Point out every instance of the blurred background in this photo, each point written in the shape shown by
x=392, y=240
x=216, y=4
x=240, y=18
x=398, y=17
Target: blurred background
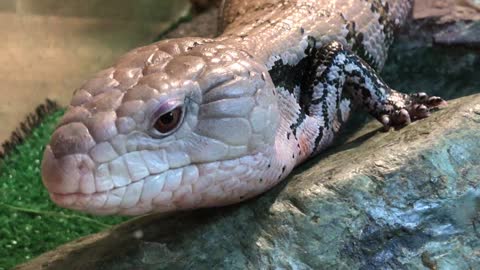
x=49, y=47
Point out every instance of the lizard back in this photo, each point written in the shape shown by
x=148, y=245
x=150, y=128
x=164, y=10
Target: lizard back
x=280, y=29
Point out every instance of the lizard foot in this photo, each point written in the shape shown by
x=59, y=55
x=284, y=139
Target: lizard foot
x=409, y=108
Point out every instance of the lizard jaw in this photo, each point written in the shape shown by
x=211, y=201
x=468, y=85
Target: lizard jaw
x=190, y=186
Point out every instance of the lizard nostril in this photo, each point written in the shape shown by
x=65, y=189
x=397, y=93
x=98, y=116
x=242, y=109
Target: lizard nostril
x=83, y=168
x=73, y=138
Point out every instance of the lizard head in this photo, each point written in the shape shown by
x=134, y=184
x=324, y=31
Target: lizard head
x=175, y=125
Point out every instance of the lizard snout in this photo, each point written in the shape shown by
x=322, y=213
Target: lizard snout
x=67, y=174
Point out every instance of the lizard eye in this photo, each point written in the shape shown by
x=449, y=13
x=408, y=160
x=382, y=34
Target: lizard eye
x=169, y=121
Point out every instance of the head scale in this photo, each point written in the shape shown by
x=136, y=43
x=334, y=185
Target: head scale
x=178, y=124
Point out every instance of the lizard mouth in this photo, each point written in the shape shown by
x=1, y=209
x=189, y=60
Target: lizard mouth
x=161, y=192
x=89, y=203
x=71, y=184
x=96, y=203
x=212, y=183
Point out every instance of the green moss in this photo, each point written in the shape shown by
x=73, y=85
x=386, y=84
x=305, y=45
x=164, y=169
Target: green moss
x=30, y=223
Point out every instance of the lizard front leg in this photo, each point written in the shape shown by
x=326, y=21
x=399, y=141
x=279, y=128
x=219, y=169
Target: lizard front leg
x=368, y=90
x=335, y=79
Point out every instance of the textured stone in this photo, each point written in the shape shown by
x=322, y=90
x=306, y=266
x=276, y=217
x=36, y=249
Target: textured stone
x=447, y=22
x=467, y=34
x=447, y=11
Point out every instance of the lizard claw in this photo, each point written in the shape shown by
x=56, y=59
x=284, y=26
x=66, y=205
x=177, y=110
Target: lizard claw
x=401, y=118
x=421, y=105
x=436, y=102
x=417, y=106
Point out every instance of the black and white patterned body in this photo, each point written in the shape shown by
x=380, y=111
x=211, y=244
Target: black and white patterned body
x=321, y=56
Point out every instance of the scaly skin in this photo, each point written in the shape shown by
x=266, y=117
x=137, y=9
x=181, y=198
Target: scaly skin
x=258, y=100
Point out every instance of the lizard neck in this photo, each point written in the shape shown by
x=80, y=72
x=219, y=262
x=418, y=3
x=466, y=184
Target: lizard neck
x=272, y=29
x=280, y=29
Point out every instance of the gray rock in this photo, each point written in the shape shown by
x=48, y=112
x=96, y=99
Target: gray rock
x=459, y=34
x=447, y=11
x=406, y=199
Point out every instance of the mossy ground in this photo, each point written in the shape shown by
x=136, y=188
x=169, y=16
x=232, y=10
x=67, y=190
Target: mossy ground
x=30, y=223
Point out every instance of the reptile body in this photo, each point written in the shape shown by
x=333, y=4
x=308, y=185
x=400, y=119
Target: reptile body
x=193, y=122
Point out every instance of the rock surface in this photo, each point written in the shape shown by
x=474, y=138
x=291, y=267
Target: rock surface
x=446, y=11
x=460, y=33
x=447, y=22
x=407, y=199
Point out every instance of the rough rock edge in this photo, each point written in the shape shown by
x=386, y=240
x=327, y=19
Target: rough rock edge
x=447, y=11
x=445, y=23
